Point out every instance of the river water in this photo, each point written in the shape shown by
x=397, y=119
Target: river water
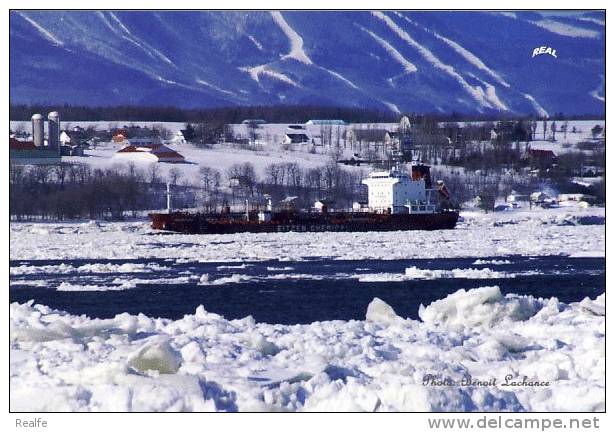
x=290, y=292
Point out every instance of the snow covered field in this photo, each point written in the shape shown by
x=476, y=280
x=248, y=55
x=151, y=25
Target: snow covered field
x=203, y=362
x=220, y=157
x=574, y=231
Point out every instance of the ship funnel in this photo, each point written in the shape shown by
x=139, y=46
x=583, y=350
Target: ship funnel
x=421, y=171
x=38, y=130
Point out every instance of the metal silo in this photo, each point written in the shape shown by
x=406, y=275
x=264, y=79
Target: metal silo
x=38, y=130
x=53, y=130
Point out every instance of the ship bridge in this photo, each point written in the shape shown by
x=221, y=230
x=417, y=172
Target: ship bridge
x=396, y=192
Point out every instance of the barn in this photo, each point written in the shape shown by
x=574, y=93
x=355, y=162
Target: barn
x=149, y=153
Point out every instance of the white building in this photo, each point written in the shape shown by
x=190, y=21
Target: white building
x=295, y=138
x=395, y=192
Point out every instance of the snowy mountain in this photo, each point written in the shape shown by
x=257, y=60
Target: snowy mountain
x=399, y=61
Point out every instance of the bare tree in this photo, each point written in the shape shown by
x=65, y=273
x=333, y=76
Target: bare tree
x=209, y=177
x=162, y=132
x=16, y=173
x=273, y=173
x=253, y=134
x=153, y=173
x=553, y=130
x=564, y=128
x=174, y=175
x=245, y=175
x=60, y=172
x=42, y=173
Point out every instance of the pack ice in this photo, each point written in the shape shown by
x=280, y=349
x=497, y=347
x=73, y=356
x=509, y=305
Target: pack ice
x=203, y=362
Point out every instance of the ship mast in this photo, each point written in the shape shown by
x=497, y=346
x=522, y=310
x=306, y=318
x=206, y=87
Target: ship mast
x=168, y=197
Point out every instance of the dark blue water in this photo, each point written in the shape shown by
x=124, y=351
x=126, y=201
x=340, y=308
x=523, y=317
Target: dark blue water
x=311, y=290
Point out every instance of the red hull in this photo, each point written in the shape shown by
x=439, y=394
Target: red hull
x=199, y=223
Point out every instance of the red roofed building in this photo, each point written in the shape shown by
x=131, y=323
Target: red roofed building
x=120, y=135
x=149, y=153
x=539, y=158
x=15, y=144
x=26, y=153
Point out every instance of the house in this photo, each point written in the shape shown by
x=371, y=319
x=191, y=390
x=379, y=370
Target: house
x=136, y=135
x=515, y=198
x=149, y=153
x=295, y=138
x=326, y=122
x=254, y=122
x=26, y=153
x=74, y=137
x=376, y=136
x=538, y=158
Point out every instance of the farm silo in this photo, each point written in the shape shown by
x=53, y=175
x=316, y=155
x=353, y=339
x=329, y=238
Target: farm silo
x=38, y=130
x=53, y=130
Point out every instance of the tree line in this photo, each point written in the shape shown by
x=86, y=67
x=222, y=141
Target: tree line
x=224, y=115
x=270, y=113
x=78, y=191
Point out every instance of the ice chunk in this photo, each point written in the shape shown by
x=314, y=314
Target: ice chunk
x=39, y=230
x=192, y=352
x=264, y=346
x=157, y=356
x=480, y=307
x=380, y=312
x=596, y=307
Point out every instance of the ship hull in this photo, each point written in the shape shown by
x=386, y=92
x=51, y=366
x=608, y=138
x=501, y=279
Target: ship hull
x=200, y=223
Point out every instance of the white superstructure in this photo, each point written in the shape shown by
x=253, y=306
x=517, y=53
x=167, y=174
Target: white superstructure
x=396, y=192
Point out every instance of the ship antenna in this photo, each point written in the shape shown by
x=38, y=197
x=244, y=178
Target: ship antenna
x=168, y=197
x=396, y=155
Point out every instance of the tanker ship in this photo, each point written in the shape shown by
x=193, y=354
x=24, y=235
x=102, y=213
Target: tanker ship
x=397, y=201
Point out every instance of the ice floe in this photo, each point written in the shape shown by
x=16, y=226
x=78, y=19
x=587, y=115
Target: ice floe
x=564, y=231
x=203, y=362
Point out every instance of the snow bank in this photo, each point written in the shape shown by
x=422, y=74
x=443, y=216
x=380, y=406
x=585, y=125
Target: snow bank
x=203, y=362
